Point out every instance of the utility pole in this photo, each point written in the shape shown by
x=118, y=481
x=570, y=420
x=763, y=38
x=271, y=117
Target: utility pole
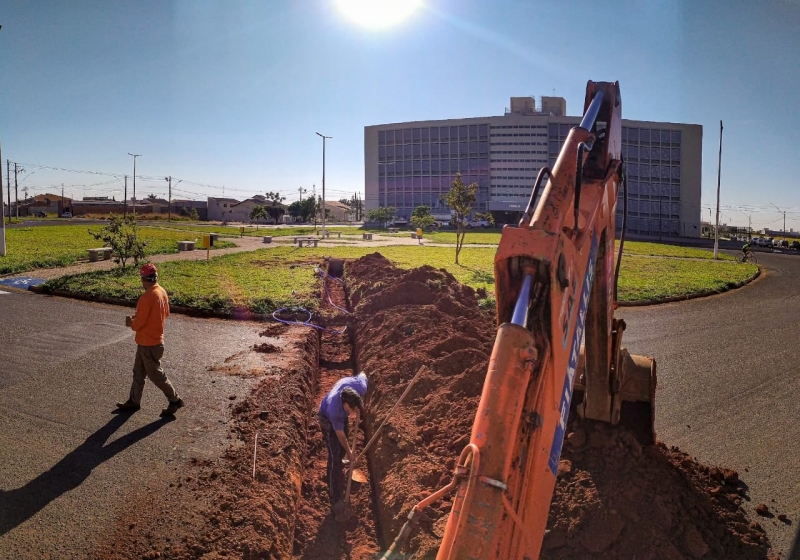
x=2, y=208
x=16, y=192
x=8, y=188
x=125, y=197
x=314, y=197
x=784, y=217
x=323, y=179
x=169, y=199
x=719, y=178
x=62, y=198
x=301, y=190
x=134, y=181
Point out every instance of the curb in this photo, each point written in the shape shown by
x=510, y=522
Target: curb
x=236, y=315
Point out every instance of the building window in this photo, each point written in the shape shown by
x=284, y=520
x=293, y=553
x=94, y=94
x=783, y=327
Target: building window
x=434, y=133
x=407, y=135
x=675, y=136
x=444, y=133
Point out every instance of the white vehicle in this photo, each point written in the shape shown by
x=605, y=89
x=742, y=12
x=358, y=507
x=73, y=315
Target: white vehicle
x=478, y=224
x=66, y=215
x=400, y=221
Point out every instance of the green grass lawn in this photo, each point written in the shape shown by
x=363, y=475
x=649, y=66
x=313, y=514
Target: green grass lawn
x=28, y=248
x=268, y=279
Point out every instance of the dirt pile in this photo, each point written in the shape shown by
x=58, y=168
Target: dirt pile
x=613, y=499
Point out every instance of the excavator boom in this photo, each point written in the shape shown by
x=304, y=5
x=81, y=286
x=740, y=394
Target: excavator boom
x=555, y=288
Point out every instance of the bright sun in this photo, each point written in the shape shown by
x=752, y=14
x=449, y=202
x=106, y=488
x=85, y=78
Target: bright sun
x=377, y=13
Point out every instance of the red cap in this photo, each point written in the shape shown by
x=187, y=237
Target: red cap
x=148, y=270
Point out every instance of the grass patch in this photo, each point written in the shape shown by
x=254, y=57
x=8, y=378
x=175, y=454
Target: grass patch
x=29, y=248
x=268, y=279
x=642, y=278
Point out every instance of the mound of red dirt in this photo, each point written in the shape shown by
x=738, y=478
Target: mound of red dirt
x=614, y=499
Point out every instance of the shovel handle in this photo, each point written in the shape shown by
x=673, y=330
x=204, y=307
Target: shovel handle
x=403, y=396
x=352, y=463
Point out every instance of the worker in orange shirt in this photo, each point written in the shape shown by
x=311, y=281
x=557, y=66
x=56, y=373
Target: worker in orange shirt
x=152, y=311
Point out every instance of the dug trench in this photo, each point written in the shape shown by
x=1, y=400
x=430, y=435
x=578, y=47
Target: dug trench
x=613, y=499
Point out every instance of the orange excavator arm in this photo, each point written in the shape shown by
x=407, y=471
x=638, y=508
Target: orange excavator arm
x=555, y=286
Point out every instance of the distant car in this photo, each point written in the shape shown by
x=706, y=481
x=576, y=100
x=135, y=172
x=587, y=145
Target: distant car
x=794, y=245
x=40, y=214
x=66, y=215
x=478, y=224
x=784, y=243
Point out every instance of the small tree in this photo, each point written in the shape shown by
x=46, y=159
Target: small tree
x=422, y=218
x=151, y=197
x=257, y=213
x=382, y=215
x=461, y=199
x=122, y=235
x=276, y=210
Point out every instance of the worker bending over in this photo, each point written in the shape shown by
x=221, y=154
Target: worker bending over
x=334, y=415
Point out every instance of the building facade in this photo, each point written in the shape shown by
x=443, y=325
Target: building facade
x=412, y=164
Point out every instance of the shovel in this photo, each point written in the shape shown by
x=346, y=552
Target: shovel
x=341, y=510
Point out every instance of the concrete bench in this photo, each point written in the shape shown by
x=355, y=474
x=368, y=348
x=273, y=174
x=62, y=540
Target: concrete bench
x=328, y=234
x=94, y=254
x=300, y=240
x=186, y=245
x=394, y=230
x=267, y=239
x=366, y=236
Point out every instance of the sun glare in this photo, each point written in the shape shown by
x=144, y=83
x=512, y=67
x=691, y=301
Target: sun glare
x=377, y=13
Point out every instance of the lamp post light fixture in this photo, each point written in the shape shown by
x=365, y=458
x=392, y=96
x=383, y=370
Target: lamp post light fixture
x=134, y=181
x=323, y=180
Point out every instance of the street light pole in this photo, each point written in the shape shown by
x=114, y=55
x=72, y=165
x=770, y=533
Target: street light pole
x=2, y=206
x=134, y=181
x=784, y=217
x=323, y=180
x=719, y=178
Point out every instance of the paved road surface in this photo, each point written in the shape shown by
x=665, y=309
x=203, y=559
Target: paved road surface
x=67, y=463
x=729, y=381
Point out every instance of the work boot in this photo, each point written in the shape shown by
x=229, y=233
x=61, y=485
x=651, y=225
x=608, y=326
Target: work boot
x=172, y=408
x=128, y=406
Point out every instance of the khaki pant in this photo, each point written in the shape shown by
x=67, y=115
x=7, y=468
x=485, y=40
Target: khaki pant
x=148, y=365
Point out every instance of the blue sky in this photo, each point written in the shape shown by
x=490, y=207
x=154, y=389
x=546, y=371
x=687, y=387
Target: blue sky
x=232, y=93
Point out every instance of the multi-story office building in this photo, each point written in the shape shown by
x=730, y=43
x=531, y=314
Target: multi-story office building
x=414, y=163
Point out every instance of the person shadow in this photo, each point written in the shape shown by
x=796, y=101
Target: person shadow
x=19, y=505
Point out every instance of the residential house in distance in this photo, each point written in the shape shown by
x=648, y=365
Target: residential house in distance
x=47, y=203
x=231, y=210
x=338, y=212
x=201, y=206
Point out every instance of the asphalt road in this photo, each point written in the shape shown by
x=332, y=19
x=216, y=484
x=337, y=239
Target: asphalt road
x=67, y=464
x=728, y=381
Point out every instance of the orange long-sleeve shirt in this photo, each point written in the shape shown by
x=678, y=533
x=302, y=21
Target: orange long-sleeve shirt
x=152, y=311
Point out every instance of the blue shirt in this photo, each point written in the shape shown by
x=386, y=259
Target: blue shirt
x=331, y=406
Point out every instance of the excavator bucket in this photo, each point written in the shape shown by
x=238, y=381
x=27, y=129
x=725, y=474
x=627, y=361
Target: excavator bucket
x=631, y=396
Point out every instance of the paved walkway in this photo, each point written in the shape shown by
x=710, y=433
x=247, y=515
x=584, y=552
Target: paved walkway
x=243, y=244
